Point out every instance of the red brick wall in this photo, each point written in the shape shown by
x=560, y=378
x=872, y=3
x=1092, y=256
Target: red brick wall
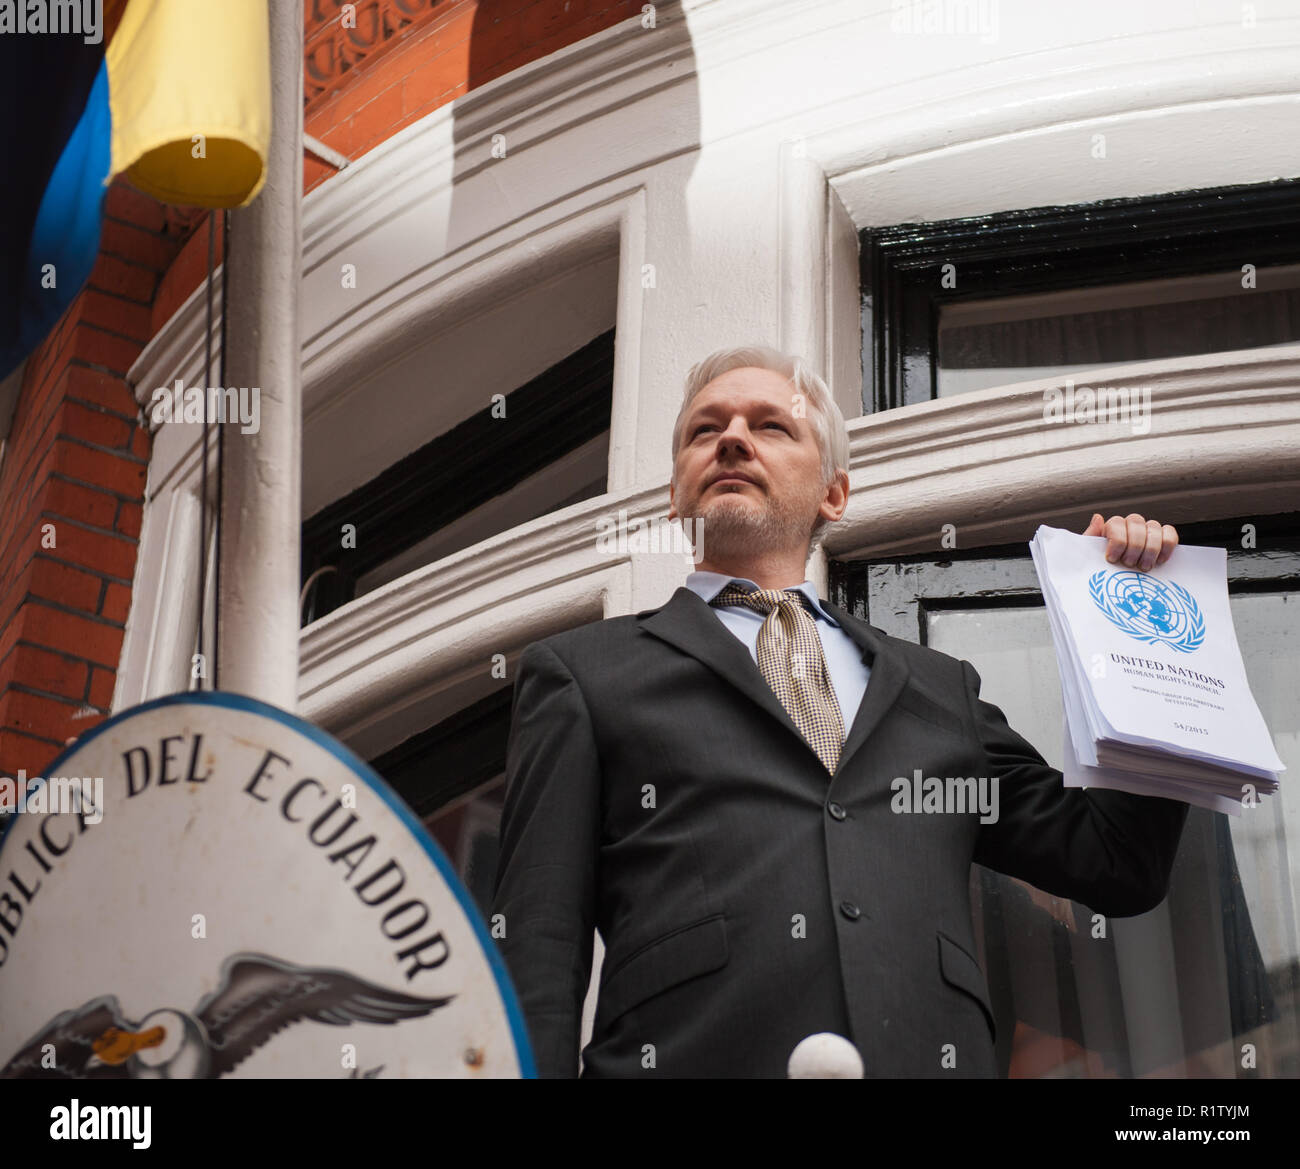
x=462, y=45
x=76, y=457
x=71, y=494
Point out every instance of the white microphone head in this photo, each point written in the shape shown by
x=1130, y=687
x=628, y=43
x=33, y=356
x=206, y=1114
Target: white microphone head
x=825, y=1056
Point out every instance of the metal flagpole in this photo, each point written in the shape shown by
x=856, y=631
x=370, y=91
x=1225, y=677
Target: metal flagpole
x=261, y=472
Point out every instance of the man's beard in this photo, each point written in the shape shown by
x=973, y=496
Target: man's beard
x=730, y=526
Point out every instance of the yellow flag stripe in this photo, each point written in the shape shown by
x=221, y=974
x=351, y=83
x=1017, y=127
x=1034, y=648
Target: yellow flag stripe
x=190, y=95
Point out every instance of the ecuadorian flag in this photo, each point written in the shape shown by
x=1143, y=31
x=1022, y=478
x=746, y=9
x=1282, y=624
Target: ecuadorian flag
x=179, y=103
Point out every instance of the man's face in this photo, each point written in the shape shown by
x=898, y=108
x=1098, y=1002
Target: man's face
x=748, y=467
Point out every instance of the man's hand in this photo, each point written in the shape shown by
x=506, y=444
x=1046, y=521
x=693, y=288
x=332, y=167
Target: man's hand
x=1140, y=543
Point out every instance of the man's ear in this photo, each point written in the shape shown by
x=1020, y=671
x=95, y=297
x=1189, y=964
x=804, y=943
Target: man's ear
x=672, y=506
x=836, y=500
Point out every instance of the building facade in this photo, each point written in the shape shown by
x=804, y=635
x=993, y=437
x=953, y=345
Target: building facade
x=965, y=215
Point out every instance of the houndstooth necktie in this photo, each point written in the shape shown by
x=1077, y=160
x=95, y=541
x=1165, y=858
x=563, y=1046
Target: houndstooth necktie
x=790, y=658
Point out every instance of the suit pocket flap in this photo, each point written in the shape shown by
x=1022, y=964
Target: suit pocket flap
x=684, y=953
x=961, y=970
x=916, y=703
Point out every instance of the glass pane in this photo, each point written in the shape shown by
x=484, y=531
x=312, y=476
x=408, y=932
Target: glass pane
x=999, y=341
x=467, y=831
x=1180, y=991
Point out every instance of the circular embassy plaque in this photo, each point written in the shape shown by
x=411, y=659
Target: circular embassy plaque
x=207, y=886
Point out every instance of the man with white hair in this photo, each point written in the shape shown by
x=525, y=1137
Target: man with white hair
x=709, y=784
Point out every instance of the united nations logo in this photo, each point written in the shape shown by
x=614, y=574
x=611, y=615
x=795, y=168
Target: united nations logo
x=1155, y=611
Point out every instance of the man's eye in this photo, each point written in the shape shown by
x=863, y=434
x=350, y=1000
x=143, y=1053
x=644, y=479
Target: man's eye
x=778, y=425
x=701, y=429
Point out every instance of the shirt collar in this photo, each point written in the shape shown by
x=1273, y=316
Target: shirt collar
x=708, y=585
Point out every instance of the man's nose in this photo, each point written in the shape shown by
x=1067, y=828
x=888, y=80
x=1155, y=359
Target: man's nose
x=735, y=439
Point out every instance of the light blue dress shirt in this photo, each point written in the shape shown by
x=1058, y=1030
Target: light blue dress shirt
x=849, y=673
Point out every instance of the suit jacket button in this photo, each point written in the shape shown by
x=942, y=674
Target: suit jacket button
x=837, y=811
x=851, y=911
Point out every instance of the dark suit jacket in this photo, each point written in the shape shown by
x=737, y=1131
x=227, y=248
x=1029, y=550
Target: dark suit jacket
x=658, y=791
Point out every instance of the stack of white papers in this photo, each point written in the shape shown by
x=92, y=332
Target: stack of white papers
x=1155, y=692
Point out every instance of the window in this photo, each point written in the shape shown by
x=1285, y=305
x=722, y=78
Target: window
x=452, y=776
x=1180, y=990
x=488, y=473
x=966, y=304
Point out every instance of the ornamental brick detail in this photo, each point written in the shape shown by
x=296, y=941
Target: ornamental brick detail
x=333, y=49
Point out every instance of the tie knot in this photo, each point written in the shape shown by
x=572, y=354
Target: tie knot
x=761, y=600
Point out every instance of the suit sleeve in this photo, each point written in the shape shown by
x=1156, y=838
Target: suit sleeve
x=1109, y=850
x=549, y=846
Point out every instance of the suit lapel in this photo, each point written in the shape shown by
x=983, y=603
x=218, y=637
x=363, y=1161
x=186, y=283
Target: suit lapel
x=888, y=677
x=690, y=625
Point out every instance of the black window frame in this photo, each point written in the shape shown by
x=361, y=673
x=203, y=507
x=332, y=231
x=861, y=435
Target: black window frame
x=1050, y=249
x=1003, y=574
